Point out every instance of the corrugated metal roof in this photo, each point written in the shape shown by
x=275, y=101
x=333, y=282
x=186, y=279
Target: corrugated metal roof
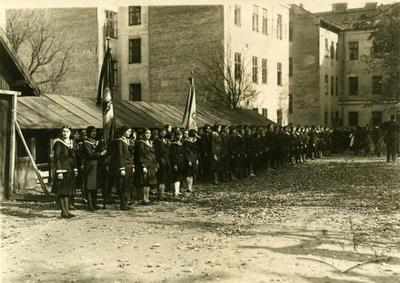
x=53, y=111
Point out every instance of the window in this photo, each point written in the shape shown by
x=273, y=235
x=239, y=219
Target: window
x=326, y=118
x=255, y=70
x=337, y=87
x=290, y=66
x=332, y=51
x=135, y=55
x=290, y=31
x=353, y=50
x=279, y=73
x=332, y=118
x=332, y=86
x=353, y=119
x=279, y=27
x=135, y=92
x=353, y=86
x=326, y=83
x=337, y=52
x=255, y=18
x=238, y=66
x=265, y=22
x=290, y=103
x=264, y=67
x=337, y=122
x=326, y=48
x=135, y=17
x=376, y=118
x=238, y=19
x=265, y=112
x=111, y=24
x=114, y=69
x=376, y=85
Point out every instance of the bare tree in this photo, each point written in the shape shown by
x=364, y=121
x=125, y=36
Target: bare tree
x=41, y=44
x=226, y=78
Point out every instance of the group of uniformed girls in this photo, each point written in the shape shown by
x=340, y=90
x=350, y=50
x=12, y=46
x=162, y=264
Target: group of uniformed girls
x=138, y=162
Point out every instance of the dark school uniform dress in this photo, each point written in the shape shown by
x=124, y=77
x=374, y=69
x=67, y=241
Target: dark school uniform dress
x=225, y=152
x=215, y=152
x=147, y=158
x=161, y=147
x=124, y=156
x=177, y=158
x=91, y=154
x=191, y=157
x=65, y=163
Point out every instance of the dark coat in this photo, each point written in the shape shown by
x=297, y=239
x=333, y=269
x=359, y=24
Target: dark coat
x=161, y=148
x=177, y=158
x=91, y=153
x=191, y=157
x=65, y=162
x=147, y=158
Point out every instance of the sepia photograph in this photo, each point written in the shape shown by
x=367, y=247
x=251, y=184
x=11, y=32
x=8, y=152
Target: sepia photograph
x=184, y=141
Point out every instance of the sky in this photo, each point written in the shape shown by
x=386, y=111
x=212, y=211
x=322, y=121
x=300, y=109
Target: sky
x=311, y=5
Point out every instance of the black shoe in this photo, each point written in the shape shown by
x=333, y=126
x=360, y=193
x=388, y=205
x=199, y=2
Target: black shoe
x=70, y=215
x=63, y=215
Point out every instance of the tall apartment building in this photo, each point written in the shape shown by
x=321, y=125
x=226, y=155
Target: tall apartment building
x=353, y=93
x=156, y=47
x=160, y=45
x=314, y=69
x=362, y=102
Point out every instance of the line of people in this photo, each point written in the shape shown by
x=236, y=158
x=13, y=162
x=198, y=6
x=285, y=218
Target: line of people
x=138, y=161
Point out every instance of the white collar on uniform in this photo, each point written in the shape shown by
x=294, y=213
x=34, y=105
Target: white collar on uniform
x=69, y=145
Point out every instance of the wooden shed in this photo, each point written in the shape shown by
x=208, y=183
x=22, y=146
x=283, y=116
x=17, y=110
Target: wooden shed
x=14, y=81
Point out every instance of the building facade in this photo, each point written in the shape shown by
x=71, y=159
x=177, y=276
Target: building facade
x=314, y=84
x=346, y=91
x=155, y=48
x=161, y=45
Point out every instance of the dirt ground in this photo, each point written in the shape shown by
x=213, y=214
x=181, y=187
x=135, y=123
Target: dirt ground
x=330, y=220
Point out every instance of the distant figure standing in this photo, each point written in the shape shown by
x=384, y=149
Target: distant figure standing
x=391, y=129
x=377, y=137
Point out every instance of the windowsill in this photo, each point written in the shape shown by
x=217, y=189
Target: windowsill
x=134, y=63
x=132, y=25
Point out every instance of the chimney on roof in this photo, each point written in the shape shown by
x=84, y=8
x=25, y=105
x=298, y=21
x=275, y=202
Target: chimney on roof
x=371, y=6
x=339, y=7
x=301, y=5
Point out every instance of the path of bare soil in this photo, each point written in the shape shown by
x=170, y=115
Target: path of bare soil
x=307, y=223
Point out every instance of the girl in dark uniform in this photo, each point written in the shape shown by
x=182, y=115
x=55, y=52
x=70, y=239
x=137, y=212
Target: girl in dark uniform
x=66, y=170
x=161, y=146
x=215, y=152
x=177, y=158
x=191, y=158
x=148, y=166
x=124, y=165
x=92, y=154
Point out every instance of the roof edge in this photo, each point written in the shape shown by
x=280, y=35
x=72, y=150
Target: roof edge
x=11, y=51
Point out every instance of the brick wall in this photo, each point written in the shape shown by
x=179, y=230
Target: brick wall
x=179, y=38
x=81, y=28
x=304, y=84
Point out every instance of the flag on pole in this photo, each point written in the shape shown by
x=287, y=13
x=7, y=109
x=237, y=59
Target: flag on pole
x=104, y=97
x=189, y=116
